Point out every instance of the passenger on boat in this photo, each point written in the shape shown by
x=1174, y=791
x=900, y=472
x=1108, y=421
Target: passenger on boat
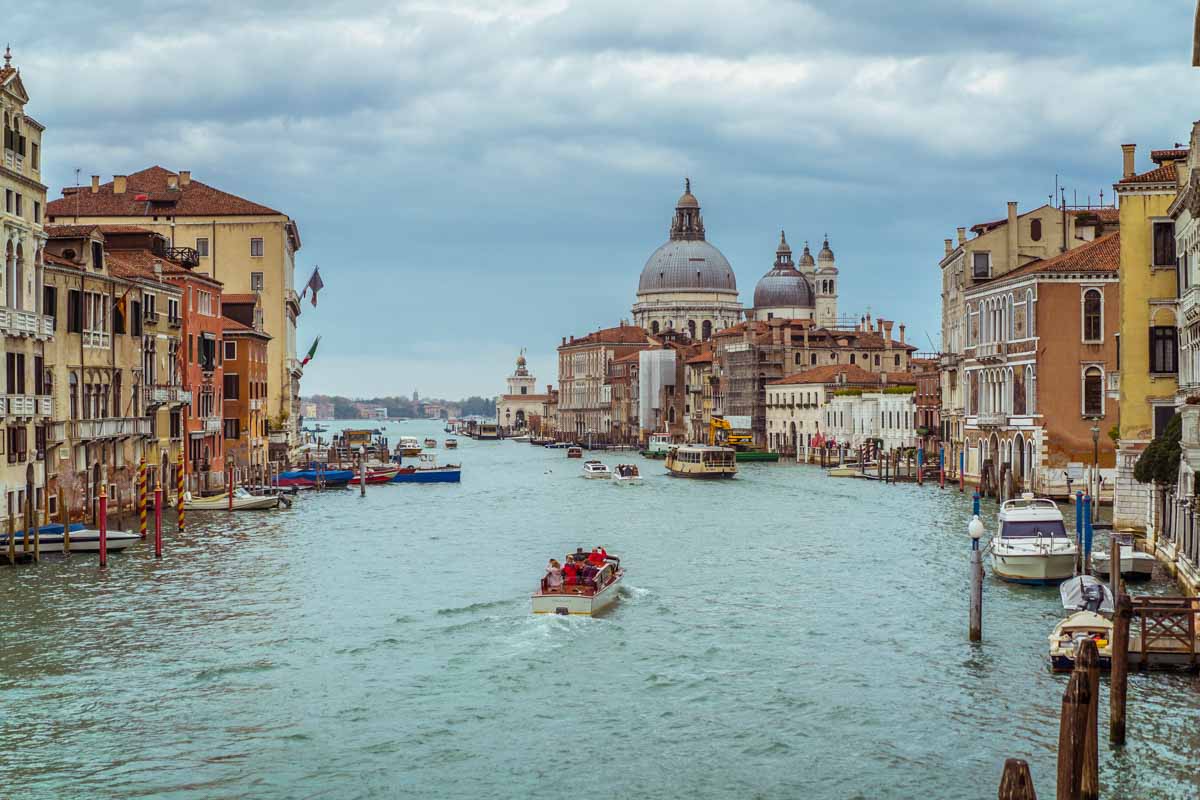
x=595, y=558
x=570, y=572
x=554, y=575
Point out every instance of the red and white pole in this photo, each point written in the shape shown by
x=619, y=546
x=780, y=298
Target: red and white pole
x=103, y=526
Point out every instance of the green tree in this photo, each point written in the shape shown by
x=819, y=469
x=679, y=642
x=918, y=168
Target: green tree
x=1159, y=462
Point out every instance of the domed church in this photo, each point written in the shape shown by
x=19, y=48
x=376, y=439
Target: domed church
x=808, y=291
x=687, y=284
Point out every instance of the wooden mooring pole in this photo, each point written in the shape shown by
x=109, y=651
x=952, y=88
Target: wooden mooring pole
x=1087, y=661
x=64, y=514
x=1072, y=731
x=142, y=497
x=103, y=520
x=1016, y=783
x=975, y=531
x=1119, y=676
x=362, y=471
x=158, y=511
x=1114, y=569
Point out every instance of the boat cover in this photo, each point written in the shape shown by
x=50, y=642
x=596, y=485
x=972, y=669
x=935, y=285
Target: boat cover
x=1085, y=592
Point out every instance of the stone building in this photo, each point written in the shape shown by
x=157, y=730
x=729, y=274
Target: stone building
x=246, y=246
x=1040, y=352
x=1149, y=325
x=687, y=284
x=246, y=366
x=584, y=407
x=520, y=408
x=883, y=418
x=795, y=406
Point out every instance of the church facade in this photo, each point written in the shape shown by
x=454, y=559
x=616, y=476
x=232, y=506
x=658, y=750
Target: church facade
x=520, y=408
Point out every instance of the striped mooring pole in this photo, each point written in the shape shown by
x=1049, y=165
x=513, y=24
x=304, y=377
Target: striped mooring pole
x=142, y=497
x=179, y=490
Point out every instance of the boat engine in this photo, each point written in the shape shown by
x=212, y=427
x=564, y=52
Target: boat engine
x=1093, y=597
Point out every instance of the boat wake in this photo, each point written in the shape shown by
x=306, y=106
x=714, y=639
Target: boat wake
x=473, y=607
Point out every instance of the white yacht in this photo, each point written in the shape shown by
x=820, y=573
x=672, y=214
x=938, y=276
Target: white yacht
x=1031, y=544
x=596, y=469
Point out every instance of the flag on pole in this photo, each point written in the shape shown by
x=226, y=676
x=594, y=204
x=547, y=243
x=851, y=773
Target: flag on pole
x=315, y=283
x=312, y=351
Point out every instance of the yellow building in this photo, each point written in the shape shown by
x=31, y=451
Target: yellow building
x=25, y=331
x=247, y=246
x=1148, y=357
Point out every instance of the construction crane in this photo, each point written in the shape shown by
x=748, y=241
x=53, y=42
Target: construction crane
x=720, y=432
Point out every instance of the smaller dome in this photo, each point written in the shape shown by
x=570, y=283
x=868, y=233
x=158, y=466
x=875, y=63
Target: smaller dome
x=806, y=259
x=783, y=245
x=826, y=255
x=521, y=360
x=687, y=199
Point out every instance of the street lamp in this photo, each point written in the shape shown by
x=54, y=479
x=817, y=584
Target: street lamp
x=975, y=531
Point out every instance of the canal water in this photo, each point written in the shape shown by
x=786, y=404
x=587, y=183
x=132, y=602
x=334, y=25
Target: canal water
x=783, y=634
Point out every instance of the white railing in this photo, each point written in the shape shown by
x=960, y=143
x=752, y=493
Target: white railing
x=98, y=339
x=28, y=405
x=109, y=428
x=992, y=419
x=990, y=351
x=56, y=432
x=256, y=404
x=25, y=323
x=212, y=424
x=157, y=395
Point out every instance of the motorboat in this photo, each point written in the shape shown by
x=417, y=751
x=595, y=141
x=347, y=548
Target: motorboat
x=427, y=470
x=452, y=444
x=596, y=469
x=523, y=438
x=844, y=471
x=408, y=446
x=558, y=445
x=431, y=443
x=574, y=452
x=242, y=501
x=541, y=441
x=658, y=445
x=701, y=461
x=378, y=474
x=1135, y=565
x=1091, y=601
x=50, y=539
x=309, y=477
x=626, y=475
x=591, y=595
x=1031, y=544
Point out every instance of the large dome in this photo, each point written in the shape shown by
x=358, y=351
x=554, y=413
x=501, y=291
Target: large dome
x=687, y=265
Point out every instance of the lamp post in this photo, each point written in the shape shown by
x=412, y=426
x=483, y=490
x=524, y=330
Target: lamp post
x=975, y=531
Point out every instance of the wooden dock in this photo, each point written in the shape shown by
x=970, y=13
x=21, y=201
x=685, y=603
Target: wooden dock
x=1162, y=632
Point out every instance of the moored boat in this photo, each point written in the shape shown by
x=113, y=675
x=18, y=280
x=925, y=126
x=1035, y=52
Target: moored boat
x=1135, y=565
x=596, y=469
x=590, y=595
x=308, y=478
x=50, y=539
x=574, y=452
x=378, y=474
x=428, y=471
x=1031, y=544
x=1092, y=602
x=242, y=501
x=701, y=461
x=658, y=446
x=626, y=475
x=842, y=472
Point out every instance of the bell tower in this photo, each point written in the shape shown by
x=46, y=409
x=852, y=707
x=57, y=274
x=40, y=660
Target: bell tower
x=826, y=280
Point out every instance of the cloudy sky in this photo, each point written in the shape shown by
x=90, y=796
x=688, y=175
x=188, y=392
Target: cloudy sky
x=478, y=176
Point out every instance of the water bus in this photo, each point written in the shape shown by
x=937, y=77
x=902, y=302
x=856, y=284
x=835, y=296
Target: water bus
x=701, y=461
x=488, y=432
x=588, y=597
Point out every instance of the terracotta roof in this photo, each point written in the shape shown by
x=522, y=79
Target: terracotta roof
x=621, y=334
x=1101, y=255
x=123, y=229
x=704, y=358
x=829, y=373
x=239, y=298
x=232, y=326
x=984, y=227
x=628, y=357
x=140, y=264
x=1159, y=156
x=70, y=231
x=59, y=261
x=1104, y=214
x=1163, y=174
x=195, y=199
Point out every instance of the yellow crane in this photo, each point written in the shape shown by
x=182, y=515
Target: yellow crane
x=721, y=432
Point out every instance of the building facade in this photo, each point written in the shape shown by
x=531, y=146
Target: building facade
x=795, y=406
x=246, y=366
x=246, y=246
x=520, y=408
x=1149, y=288
x=584, y=406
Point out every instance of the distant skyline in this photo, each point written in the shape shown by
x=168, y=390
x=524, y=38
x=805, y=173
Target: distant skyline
x=478, y=176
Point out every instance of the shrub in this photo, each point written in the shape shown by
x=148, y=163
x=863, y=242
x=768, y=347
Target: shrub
x=1159, y=462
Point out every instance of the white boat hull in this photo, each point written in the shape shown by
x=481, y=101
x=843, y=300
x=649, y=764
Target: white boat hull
x=1031, y=568
x=1134, y=565
x=568, y=602
x=221, y=503
x=634, y=481
x=597, y=475
x=82, y=541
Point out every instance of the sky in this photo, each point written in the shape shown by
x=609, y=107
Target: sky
x=474, y=177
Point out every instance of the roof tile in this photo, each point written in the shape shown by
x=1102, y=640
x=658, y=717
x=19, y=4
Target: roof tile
x=195, y=199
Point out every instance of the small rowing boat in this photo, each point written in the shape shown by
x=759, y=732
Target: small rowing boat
x=83, y=539
x=242, y=501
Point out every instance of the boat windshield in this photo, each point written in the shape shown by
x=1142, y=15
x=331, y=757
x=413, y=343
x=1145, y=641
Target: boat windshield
x=1018, y=529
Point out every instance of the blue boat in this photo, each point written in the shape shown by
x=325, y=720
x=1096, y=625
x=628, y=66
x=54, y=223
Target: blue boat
x=308, y=477
x=429, y=471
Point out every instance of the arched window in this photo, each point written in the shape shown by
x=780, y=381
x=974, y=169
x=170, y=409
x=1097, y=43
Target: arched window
x=73, y=381
x=691, y=328
x=1093, y=304
x=706, y=329
x=1093, y=392
x=1035, y=230
x=814, y=359
x=1029, y=313
x=654, y=326
x=852, y=358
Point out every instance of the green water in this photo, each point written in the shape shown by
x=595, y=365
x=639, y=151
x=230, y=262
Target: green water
x=783, y=634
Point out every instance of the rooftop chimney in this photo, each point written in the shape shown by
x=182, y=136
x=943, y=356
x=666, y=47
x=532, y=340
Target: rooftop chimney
x=564, y=340
x=887, y=334
x=185, y=177
x=1012, y=235
x=901, y=333
x=949, y=247
x=173, y=182
x=1127, y=153
x=118, y=184
x=962, y=235
x=95, y=183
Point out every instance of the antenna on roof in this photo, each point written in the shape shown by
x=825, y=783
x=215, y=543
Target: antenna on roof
x=7, y=56
x=77, y=195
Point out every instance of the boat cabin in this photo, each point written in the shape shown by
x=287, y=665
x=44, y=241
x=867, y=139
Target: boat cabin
x=1030, y=517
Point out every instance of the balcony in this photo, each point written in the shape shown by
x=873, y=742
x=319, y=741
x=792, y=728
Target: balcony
x=292, y=299
x=160, y=395
x=109, y=428
x=14, y=160
x=184, y=255
x=175, y=322
x=992, y=419
x=56, y=433
x=96, y=339
x=294, y=367
x=150, y=317
x=28, y=405
x=212, y=425
x=256, y=404
x=25, y=323
x=991, y=352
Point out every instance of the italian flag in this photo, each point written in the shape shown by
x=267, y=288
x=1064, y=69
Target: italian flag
x=312, y=351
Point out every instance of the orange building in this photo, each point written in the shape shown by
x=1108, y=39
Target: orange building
x=245, y=381
x=203, y=376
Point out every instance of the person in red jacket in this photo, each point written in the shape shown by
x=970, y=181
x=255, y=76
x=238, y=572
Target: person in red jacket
x=570, y=572
x=595, y=558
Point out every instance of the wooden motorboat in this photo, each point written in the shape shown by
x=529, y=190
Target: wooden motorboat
x=431, y=443
x=50, y=539
x=408, y=446
x=1031, y=544
x=701, y=461
x=451, y=444
x=596, y=469
x=242, y=501
x=1135, y=565
x=626, y=475
x=574, y=452
x=592, y=595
